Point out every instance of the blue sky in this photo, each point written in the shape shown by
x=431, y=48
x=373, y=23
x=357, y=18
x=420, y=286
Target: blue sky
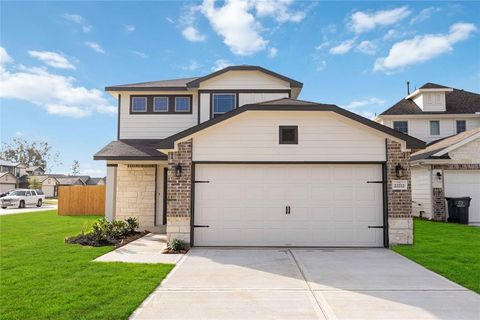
x=56, y=57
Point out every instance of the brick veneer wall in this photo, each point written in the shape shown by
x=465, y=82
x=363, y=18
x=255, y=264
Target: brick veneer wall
x=400, y=222
x=438, y=194
x=136, y=193
x=179, y=193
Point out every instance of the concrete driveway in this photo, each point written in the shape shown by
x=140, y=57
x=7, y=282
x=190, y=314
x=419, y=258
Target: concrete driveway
x=213, y=283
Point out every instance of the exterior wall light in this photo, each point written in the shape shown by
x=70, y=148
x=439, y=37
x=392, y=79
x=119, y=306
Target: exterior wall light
x=439, y=175
x=178, y=170
x=399, y=171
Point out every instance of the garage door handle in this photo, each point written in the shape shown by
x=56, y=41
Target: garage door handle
x=200, y=226
x=287, y=210
x=376, y=227
x=380, y=181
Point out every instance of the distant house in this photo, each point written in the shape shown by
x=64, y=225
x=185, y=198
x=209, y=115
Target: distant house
x=35, y=171
x=70, y=181
x=96, y=181
x=8, y=181
x=49, y=185
x=8, y=166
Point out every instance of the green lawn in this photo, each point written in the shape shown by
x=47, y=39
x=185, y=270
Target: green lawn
x=41, y=277
x=452, y=250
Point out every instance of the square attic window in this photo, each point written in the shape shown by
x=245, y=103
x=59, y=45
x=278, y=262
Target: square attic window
x=288, y=134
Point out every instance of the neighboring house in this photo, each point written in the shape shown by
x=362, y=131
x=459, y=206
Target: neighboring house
x=35, y=171
x=96, y=182
x=7, y=181
x=234, y=159
x=447, y=168
x=49, y=185
x=70, y=181
x=8, y=166
x=434, y=112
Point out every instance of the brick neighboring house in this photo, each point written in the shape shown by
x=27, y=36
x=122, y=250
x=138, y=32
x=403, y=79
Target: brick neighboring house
x=449, y=120
x=233, y=158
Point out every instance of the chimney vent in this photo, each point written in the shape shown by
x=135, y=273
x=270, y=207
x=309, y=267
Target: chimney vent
x=408, y=88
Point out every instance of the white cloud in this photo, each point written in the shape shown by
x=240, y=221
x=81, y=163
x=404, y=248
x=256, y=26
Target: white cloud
x=279, y=10
x=424, y=15
x=95, y=47
x=361, y=22
x=93, y=170
x=220, y=64
x=4, y=57
x=192, y=34
x=320, y=65
x=367, y=47
x=19, y=133
x=423, y=47
x=237, y=26
x=170, y=20
x=57, y=94
x=272, y=52
x=193, y=65
x=361, y=106
x=128, y=28
x=52, y=59
x=140, y=54
x=343, y=47
x=78, y=19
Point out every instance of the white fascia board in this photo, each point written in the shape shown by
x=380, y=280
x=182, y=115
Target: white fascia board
x=418, y=91
x=429, y=115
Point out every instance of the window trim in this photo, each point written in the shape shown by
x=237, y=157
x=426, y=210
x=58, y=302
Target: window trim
x=430, y=128
x=138, y=97
x=397, y=121
x=160, y=111
x=212, y=98
x=171, y=104
x=189, y=105
x=456, y=126
x=280, y=134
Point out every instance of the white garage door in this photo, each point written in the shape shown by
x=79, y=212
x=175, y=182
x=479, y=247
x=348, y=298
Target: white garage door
x=465, y=184
x=4, y=187
x=288, y=205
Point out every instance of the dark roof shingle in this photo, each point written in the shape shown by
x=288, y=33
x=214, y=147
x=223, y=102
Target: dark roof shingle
x=131, y=149
x=431, y=85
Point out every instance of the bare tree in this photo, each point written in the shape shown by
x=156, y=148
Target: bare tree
x=75, y=168
x=36, y=153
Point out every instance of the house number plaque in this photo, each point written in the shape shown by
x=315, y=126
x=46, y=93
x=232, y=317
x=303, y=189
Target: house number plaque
x=399, y=184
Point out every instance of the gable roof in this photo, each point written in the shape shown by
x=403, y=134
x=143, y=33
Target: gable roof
x=187, y=83
x=457, y=102
x=196, y=83
x=431, y=85
x=439, y=149
x=288, y=104
x=69, y=180
x=131, y=149
x=8, y=163
x=94, y=181
x=5, y=173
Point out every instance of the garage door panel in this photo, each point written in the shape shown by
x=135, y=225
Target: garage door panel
x=465, y=184
x=330, y=205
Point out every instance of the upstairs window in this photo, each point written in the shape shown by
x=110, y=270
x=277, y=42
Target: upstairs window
x=401, y=126
x=160, y=104
x=182, y=104
x=288, y=134
x=461, y=126
x=434, y=128
x=223, y=103
x=139, y=104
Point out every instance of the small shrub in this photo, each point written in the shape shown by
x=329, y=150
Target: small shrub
x=132, y=225
x=176, y=245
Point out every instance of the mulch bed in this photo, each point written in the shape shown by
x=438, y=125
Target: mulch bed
x=87, y=240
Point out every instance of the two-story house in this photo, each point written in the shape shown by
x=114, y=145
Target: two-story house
x=449, y=120
x=234, y=159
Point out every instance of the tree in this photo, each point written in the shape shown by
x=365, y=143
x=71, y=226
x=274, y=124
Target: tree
x=36, y=153
x=75, y=168
x=34, y=183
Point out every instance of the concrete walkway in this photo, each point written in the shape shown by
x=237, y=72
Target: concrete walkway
x=147, y=249
x=45, y=207
x=286, y=283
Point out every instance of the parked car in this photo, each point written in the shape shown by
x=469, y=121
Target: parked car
x=6, y=193
x=20, y=198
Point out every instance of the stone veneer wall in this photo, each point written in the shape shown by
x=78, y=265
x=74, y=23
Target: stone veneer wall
x=136, y=193
x=400, y=221
x=438, y=194
x=179, y=193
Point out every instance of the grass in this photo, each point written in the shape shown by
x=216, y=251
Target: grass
x=452, y=250
x=41, y=277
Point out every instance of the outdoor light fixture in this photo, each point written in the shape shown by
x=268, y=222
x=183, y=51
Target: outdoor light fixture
x=439, y=175
x=399, y=170
x=178, y=170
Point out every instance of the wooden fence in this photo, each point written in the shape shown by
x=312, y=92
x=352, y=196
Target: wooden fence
x=81, y=200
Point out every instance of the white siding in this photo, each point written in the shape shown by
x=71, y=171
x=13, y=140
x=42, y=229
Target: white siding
x=323, y=136
x=154, y=126
x=204, y=107
x=468, y=153
x=244, y=80
x=420, y=128
x=246, y=98
x=421, y=191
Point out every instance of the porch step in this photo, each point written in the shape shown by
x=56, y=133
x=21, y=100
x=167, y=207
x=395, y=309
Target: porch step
x=156, y=229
